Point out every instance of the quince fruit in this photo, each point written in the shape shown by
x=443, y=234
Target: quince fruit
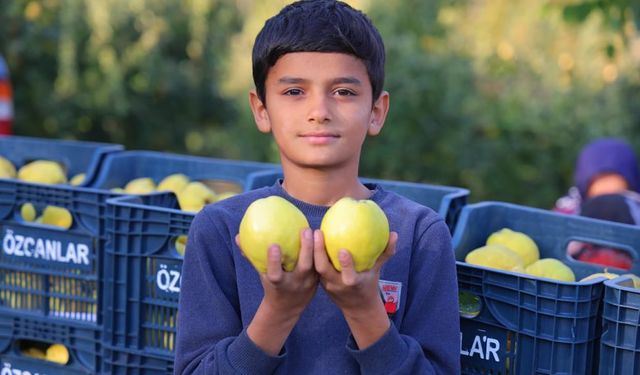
x=43, y=172
x=142, y=185
x=57, y=353
x=34, y=352
x=268, y=221
x=605, y=274
x=358, y=226
x=517, y=242
x=551, y=269
x=7, y=170
x=635, y=279
x=195, y=196
x=28, y=212
x=175, y=183
x=181, y=244
x=77, y=179
x=57, y=216
x=496, y=256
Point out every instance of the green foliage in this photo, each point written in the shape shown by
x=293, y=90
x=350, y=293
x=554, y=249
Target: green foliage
x=140, y=73
x=500, y=125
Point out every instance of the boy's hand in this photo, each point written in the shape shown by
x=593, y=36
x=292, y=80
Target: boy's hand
x=286, y=294
x=355, y=293
x=290, y=292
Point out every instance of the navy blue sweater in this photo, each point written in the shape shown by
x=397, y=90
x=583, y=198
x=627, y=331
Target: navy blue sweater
x=221, y=291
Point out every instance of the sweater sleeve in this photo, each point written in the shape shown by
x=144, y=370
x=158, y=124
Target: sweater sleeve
x=428, y=341
x=210, y=337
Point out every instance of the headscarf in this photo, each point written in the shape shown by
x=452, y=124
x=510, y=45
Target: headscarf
x=606, y=155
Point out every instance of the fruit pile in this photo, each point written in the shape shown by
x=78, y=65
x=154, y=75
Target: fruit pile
x=517, y=252
x=192, y=195
x=39, y=171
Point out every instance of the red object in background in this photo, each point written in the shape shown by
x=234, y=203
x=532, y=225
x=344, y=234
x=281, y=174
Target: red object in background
x=5, y=127
x=606, y=257
x=6, y=100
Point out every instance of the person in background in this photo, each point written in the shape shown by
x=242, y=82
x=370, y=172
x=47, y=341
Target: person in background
x=604, y=166
x=6, y=107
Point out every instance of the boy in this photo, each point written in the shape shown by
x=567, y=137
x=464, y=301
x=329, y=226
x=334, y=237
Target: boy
x=318, y=67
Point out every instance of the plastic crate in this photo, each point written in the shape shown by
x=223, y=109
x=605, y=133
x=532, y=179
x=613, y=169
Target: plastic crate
x=127, y=362
x=142, y=269
x=445, y=200
x=47, y=271
x=523, y=324
x=122, y=167
x=84, y=347
x=620, y=341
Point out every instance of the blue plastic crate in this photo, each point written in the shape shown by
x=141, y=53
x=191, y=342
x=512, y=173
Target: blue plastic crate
x=620, y=341
x=142, y=269
x=75, y=156
x=118, y=361
x=84, y=346
x=523, y=324
x=122, y=167
x=46, y=271
x=445, y=200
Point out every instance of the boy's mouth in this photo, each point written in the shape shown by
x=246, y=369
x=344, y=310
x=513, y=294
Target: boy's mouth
x=319, y=138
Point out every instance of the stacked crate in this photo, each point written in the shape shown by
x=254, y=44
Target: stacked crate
x=50, y=278
x=522, y=324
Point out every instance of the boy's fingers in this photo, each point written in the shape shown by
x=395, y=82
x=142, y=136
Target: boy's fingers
x=348, y=273
x=305, y=260
x=274, y=264
x=389, y=251
x=320, y=260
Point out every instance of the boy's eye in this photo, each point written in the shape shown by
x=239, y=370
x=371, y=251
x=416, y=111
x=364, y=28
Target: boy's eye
x=293, y=92
x=344, y=92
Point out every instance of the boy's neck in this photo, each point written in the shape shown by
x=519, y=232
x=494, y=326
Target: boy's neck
x=322, y=188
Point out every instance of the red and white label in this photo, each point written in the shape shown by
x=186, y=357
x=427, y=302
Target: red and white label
x=390, y=291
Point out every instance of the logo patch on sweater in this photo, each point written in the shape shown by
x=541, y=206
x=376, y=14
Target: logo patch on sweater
x=390, y=291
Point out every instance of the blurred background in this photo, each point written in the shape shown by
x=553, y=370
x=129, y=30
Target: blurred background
x=497, y=96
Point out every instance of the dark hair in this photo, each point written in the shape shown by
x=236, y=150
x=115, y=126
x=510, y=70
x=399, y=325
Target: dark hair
x=318, y=26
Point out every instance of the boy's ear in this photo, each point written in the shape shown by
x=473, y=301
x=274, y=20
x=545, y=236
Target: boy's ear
x=260, y=114
x=379, y=114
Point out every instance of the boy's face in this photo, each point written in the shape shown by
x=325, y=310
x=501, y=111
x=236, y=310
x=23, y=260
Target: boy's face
x=319, y=109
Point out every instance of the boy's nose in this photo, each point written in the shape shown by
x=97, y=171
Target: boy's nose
x=319, y=111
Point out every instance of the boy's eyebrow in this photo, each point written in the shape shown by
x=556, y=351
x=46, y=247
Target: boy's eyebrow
x=295, y=80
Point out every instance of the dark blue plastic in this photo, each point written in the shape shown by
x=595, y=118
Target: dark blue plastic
x=445, y=200
x=84, y=346
x=118, y=361
x=526, y=324
x=620, y=341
